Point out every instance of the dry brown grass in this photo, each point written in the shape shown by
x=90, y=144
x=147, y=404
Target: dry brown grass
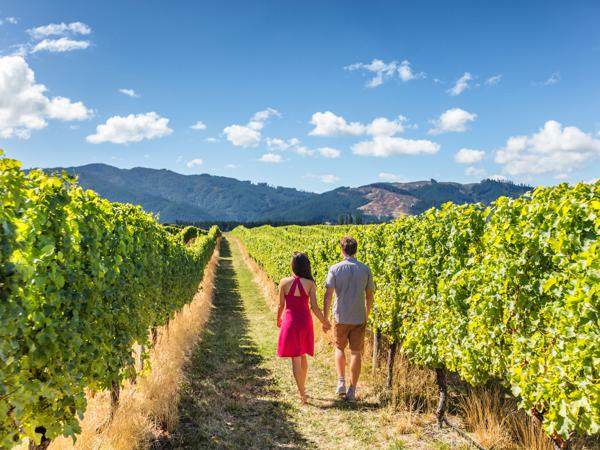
x=495, y=421
x=148, y=408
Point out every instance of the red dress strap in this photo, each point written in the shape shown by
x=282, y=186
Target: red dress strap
x=292, y=289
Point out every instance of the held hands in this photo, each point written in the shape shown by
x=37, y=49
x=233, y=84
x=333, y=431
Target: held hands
x=326, y=326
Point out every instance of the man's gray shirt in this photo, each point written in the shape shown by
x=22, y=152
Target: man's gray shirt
x=350, y=278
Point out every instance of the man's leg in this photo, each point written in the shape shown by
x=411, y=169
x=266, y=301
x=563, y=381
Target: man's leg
x=341, y=340
x=356, y=338
x=340, y=362
x=355, y=366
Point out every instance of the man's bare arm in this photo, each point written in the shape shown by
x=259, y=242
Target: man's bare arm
x=369, y=301
x=327, y=301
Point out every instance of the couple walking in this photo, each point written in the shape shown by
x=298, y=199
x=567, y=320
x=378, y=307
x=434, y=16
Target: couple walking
x=352, y=283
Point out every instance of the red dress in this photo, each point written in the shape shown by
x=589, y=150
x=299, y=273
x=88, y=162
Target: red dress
x=296, y=337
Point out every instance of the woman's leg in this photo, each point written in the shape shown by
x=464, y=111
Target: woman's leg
x=304, y=362
x=299, y=375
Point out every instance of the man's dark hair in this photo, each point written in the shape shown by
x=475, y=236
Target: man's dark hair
x=349, y=245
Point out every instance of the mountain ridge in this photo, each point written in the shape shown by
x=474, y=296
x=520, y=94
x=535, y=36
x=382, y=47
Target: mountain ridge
x=205, y=197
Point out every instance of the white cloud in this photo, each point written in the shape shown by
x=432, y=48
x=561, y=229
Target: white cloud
x=131, y=128
x=469, y=156
x=231, y=166
x=392, y=177
x=199, y=125
x=328, y=124
x=453, y=120
x=270, y=158
x=553, y=148
x=382, y=126
x=304, y=151
x=474, y=171
x=211, y=140
x=384, y=71
x=249, y=135
x=461, y=84
x=242, y=136
x=384, y=146
x=194, y=162
x=328, y=152
x=551, y=80
x=23, y=104
x=497, y=177
x=59, y=29
x=61, y=45
x=11, y=20
x=281, y=144
x=406, y=74
x=128, y=92
x=494, y=80
x=329, y=179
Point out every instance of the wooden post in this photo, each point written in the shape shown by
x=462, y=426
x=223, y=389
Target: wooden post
x=154, y=332
x=390, y=365
x=442, y=383
x=376, y=349
x=115, y=391
x=44, y=442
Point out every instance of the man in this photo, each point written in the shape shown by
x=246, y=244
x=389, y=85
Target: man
x=352, y=283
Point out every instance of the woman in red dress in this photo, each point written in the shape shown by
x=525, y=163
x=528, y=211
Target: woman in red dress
x=296, y=338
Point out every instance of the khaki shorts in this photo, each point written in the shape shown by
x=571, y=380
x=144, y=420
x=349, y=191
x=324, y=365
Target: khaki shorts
x=355, y=334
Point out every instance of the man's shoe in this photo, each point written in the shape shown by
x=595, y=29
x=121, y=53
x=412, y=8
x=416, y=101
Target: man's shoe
x=351, y=394
x=341, y=389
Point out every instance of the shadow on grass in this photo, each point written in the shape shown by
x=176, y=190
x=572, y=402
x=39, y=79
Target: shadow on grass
x=228, y=400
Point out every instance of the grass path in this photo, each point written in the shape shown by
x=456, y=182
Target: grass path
x=238, y=394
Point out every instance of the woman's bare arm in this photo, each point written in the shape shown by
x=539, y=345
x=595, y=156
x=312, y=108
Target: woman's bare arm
x=315, y=307
x=281, y=307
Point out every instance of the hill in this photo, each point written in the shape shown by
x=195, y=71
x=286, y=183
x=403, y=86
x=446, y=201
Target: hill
x=214, y=198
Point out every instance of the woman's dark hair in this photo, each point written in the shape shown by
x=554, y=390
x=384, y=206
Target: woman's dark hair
x=301, y=266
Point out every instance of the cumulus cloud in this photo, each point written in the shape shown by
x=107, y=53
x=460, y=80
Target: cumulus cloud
x=194, y=162
x=129, y=92
x=24, y=105
x=474, y=171
x=61, y=45
x=553, y=148
x=494, y=80
x=249, y=135
x=330, y=124
x=199, y=125
x=131, y=128
x=392, y=177
x=383, y=71
x=270, y=158
x=461, y=84
x=281, y=144
x=383, y=131
x=328, y=152
x=452, y=120
x=329, y=179
x=59, y=29
x=384, y=146
x=304, y=151
x=469, y=156
x=11, y=20
x=551, y=80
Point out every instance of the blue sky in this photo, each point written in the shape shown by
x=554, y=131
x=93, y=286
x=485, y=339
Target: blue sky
x=307, y=94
